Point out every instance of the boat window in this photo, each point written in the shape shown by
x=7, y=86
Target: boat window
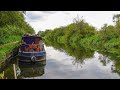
x=28, y=40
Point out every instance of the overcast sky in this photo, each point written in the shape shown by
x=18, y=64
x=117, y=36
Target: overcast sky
x=42, y=20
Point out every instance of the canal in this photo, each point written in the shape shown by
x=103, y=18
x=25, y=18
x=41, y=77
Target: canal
x=61, y=64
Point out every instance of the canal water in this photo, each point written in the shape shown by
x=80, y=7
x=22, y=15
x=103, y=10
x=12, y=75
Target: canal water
x=61, y=64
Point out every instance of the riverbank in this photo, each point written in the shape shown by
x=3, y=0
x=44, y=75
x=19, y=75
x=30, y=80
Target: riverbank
x=8, y=50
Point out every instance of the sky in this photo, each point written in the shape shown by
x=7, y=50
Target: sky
x=42, y=20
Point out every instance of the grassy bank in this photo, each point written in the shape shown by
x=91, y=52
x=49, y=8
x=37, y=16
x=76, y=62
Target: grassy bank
x=7, y=50
x=12, y=27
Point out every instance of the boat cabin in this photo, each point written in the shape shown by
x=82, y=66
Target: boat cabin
x=31, y=44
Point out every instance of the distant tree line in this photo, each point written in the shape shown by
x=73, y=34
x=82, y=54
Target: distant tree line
x=83, y=34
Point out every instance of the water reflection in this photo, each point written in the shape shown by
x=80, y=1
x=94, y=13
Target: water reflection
x=103, y=59
x=30, y=70
x=81, y=54
x=114, y=57
x=19, y=70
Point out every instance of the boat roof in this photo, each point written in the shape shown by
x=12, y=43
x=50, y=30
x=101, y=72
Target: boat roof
x=32, y=36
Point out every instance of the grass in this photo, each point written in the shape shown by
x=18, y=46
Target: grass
x=9, y=39
x=6, y=49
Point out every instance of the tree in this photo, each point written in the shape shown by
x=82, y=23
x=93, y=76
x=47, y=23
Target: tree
x=116, y=18
x=24, y=12
x=13, y=25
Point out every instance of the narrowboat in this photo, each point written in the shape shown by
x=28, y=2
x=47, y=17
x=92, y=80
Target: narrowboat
x=31, y=49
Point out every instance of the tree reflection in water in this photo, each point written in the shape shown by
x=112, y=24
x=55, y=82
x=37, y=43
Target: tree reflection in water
x=31, y=70
x=107, y=57
x=103, y=59
x=22, y=70
x=81, y=54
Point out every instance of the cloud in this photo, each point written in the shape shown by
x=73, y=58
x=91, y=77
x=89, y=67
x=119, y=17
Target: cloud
x=49, y=12
x=33, y=16
x=66, y=12
x=42, y=20
x=41, y=15
x=38, y=15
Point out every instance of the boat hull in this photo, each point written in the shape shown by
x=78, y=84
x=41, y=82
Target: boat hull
x=32, y=57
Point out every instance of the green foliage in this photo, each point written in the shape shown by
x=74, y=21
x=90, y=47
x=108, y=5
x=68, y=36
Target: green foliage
x=79, y=40
x=82, y=34
x=13, y=26
x=116, y=18
x=71, y=33
x=6, y=49
x=78, y=52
